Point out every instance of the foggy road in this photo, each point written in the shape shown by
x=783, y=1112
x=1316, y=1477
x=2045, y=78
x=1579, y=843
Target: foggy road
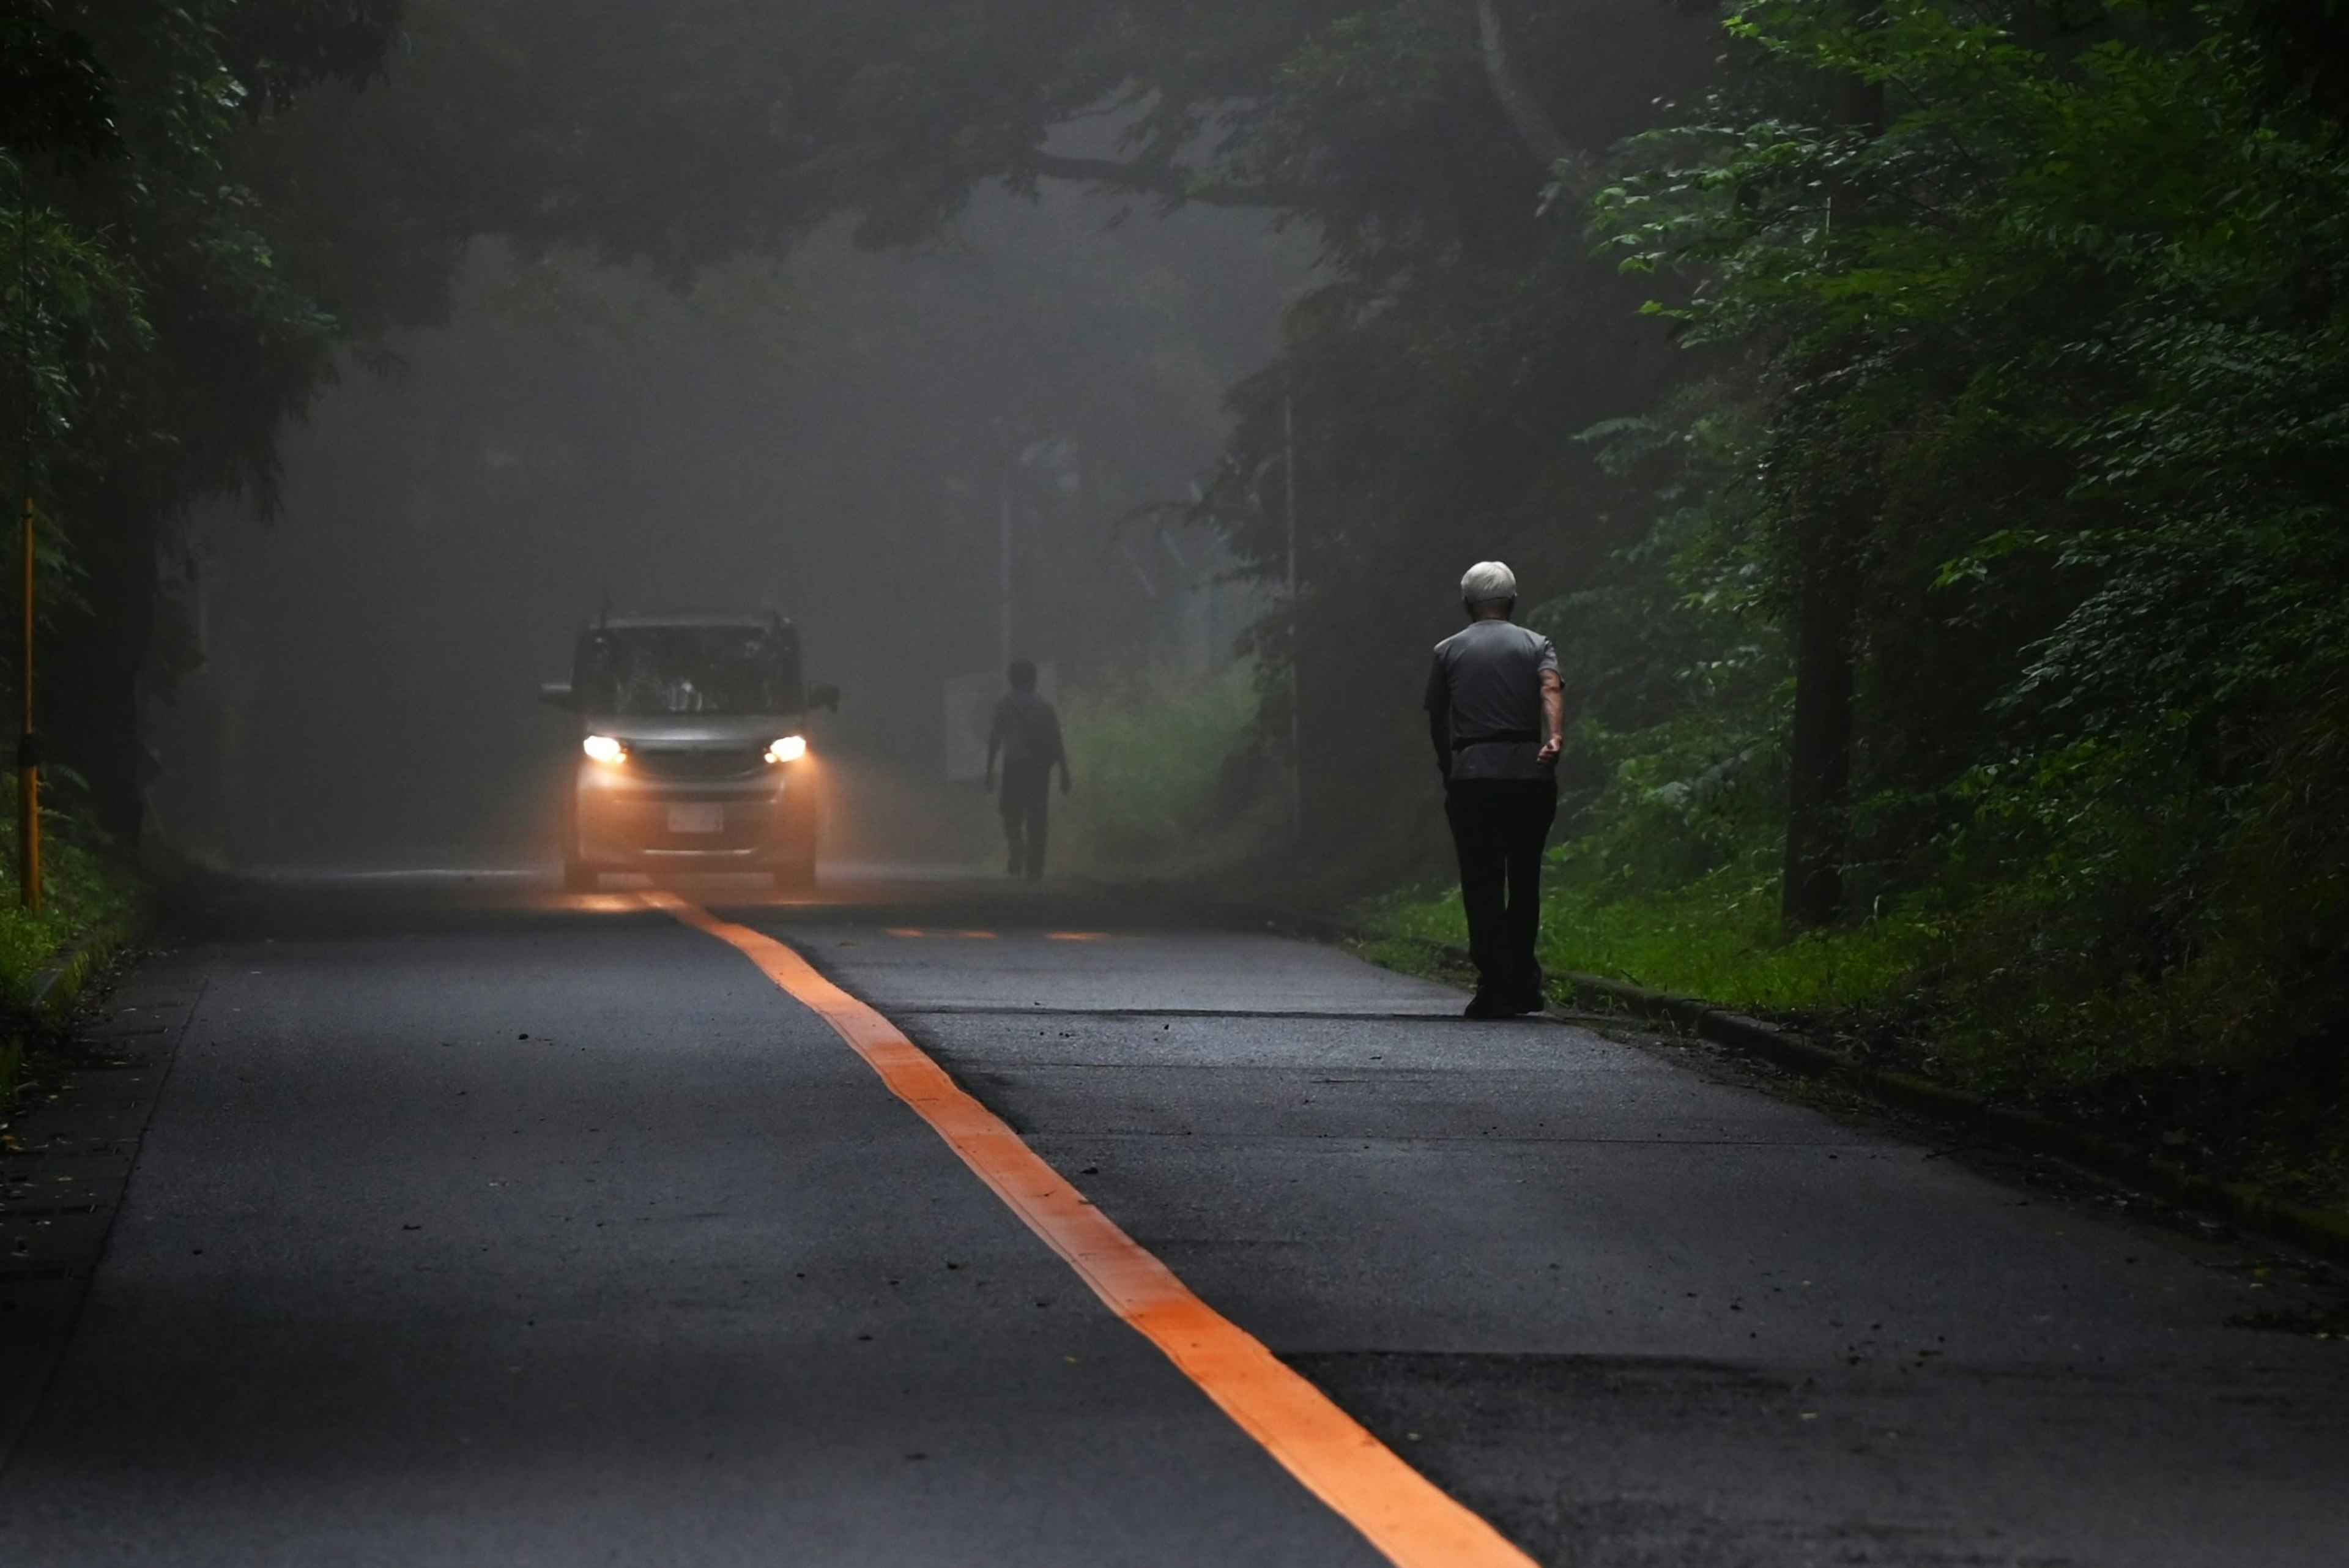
x=477, y=1223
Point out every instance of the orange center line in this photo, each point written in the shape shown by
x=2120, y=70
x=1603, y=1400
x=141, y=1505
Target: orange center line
x=1400, y=1511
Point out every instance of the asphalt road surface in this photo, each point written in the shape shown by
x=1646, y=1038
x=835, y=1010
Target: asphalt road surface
x=466, y=1223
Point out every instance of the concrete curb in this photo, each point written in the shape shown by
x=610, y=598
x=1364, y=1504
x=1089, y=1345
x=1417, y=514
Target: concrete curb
x=55, y=987
x=58, y=984
x=2242, y=1203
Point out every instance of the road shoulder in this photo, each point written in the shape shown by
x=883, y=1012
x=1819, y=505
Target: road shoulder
x=66, y=1161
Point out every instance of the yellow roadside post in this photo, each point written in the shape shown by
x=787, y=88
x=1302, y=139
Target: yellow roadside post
x=29, y=765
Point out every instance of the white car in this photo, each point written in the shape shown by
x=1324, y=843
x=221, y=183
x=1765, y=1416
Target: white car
x=693, y=749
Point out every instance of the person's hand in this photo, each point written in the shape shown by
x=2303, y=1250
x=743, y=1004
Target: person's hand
x=1548, y=756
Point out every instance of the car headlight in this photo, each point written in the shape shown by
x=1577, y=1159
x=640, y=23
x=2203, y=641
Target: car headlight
x=790, y=749
x=603, y=749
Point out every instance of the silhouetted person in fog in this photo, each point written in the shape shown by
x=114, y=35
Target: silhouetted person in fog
x=1496, y=713
x=1028, y=733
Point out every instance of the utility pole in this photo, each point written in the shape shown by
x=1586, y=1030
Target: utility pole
x=1003, y=576
x=1296, y=705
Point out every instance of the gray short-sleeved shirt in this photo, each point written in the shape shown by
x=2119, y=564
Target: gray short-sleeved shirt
x=1488, y=683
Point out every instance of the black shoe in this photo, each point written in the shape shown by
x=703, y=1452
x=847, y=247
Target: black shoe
x=1483, y=1006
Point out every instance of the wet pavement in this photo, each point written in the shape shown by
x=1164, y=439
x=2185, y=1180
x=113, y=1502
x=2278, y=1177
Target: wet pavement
x=476, y=1223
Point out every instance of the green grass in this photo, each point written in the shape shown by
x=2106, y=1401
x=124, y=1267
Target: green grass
x=1717, y=939
x=1159, y=760
x=1947, y=999
x=89, y=887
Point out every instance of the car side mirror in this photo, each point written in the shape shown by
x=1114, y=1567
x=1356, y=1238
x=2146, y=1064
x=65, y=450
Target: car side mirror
x=556, y=694
x=824, y=697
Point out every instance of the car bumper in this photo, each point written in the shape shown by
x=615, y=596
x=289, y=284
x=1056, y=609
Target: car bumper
x=621, y=827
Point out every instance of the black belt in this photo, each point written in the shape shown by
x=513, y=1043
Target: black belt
x=1502, y=737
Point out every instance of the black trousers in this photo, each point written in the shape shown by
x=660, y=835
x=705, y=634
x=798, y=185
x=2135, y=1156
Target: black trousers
x=1026, y=803
x=1499, y=827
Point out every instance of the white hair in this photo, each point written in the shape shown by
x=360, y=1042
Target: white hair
x=1488, y=580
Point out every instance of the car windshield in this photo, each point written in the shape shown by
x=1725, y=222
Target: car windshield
x=656, y=669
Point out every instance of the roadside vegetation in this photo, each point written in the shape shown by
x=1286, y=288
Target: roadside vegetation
x=1170, y=781
x=1979, y=691
x=92, y=896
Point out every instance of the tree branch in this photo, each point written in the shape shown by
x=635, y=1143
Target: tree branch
x=1168, y=181
x=1176, y=184
x=1534, y=127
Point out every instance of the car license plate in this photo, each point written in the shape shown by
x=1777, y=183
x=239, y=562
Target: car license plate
x=697, y=819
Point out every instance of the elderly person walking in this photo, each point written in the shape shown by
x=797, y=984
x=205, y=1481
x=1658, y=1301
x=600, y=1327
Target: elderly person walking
x=1496, y=713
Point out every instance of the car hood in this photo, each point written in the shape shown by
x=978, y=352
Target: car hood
x=684, y=730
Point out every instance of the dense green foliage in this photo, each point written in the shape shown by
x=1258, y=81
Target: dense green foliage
x=159, y=327
x=2044, y=354
x=1166, y=784
x=93, y=893
x=89, y=887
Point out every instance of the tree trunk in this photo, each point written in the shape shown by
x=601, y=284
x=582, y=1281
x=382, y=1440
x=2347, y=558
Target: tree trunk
x=1818, y=788
x=89, y=681
x=1534, y=127
x=1827, y=615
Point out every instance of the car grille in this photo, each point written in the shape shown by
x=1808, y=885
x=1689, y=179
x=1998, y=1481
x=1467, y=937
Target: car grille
x=696, y=766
